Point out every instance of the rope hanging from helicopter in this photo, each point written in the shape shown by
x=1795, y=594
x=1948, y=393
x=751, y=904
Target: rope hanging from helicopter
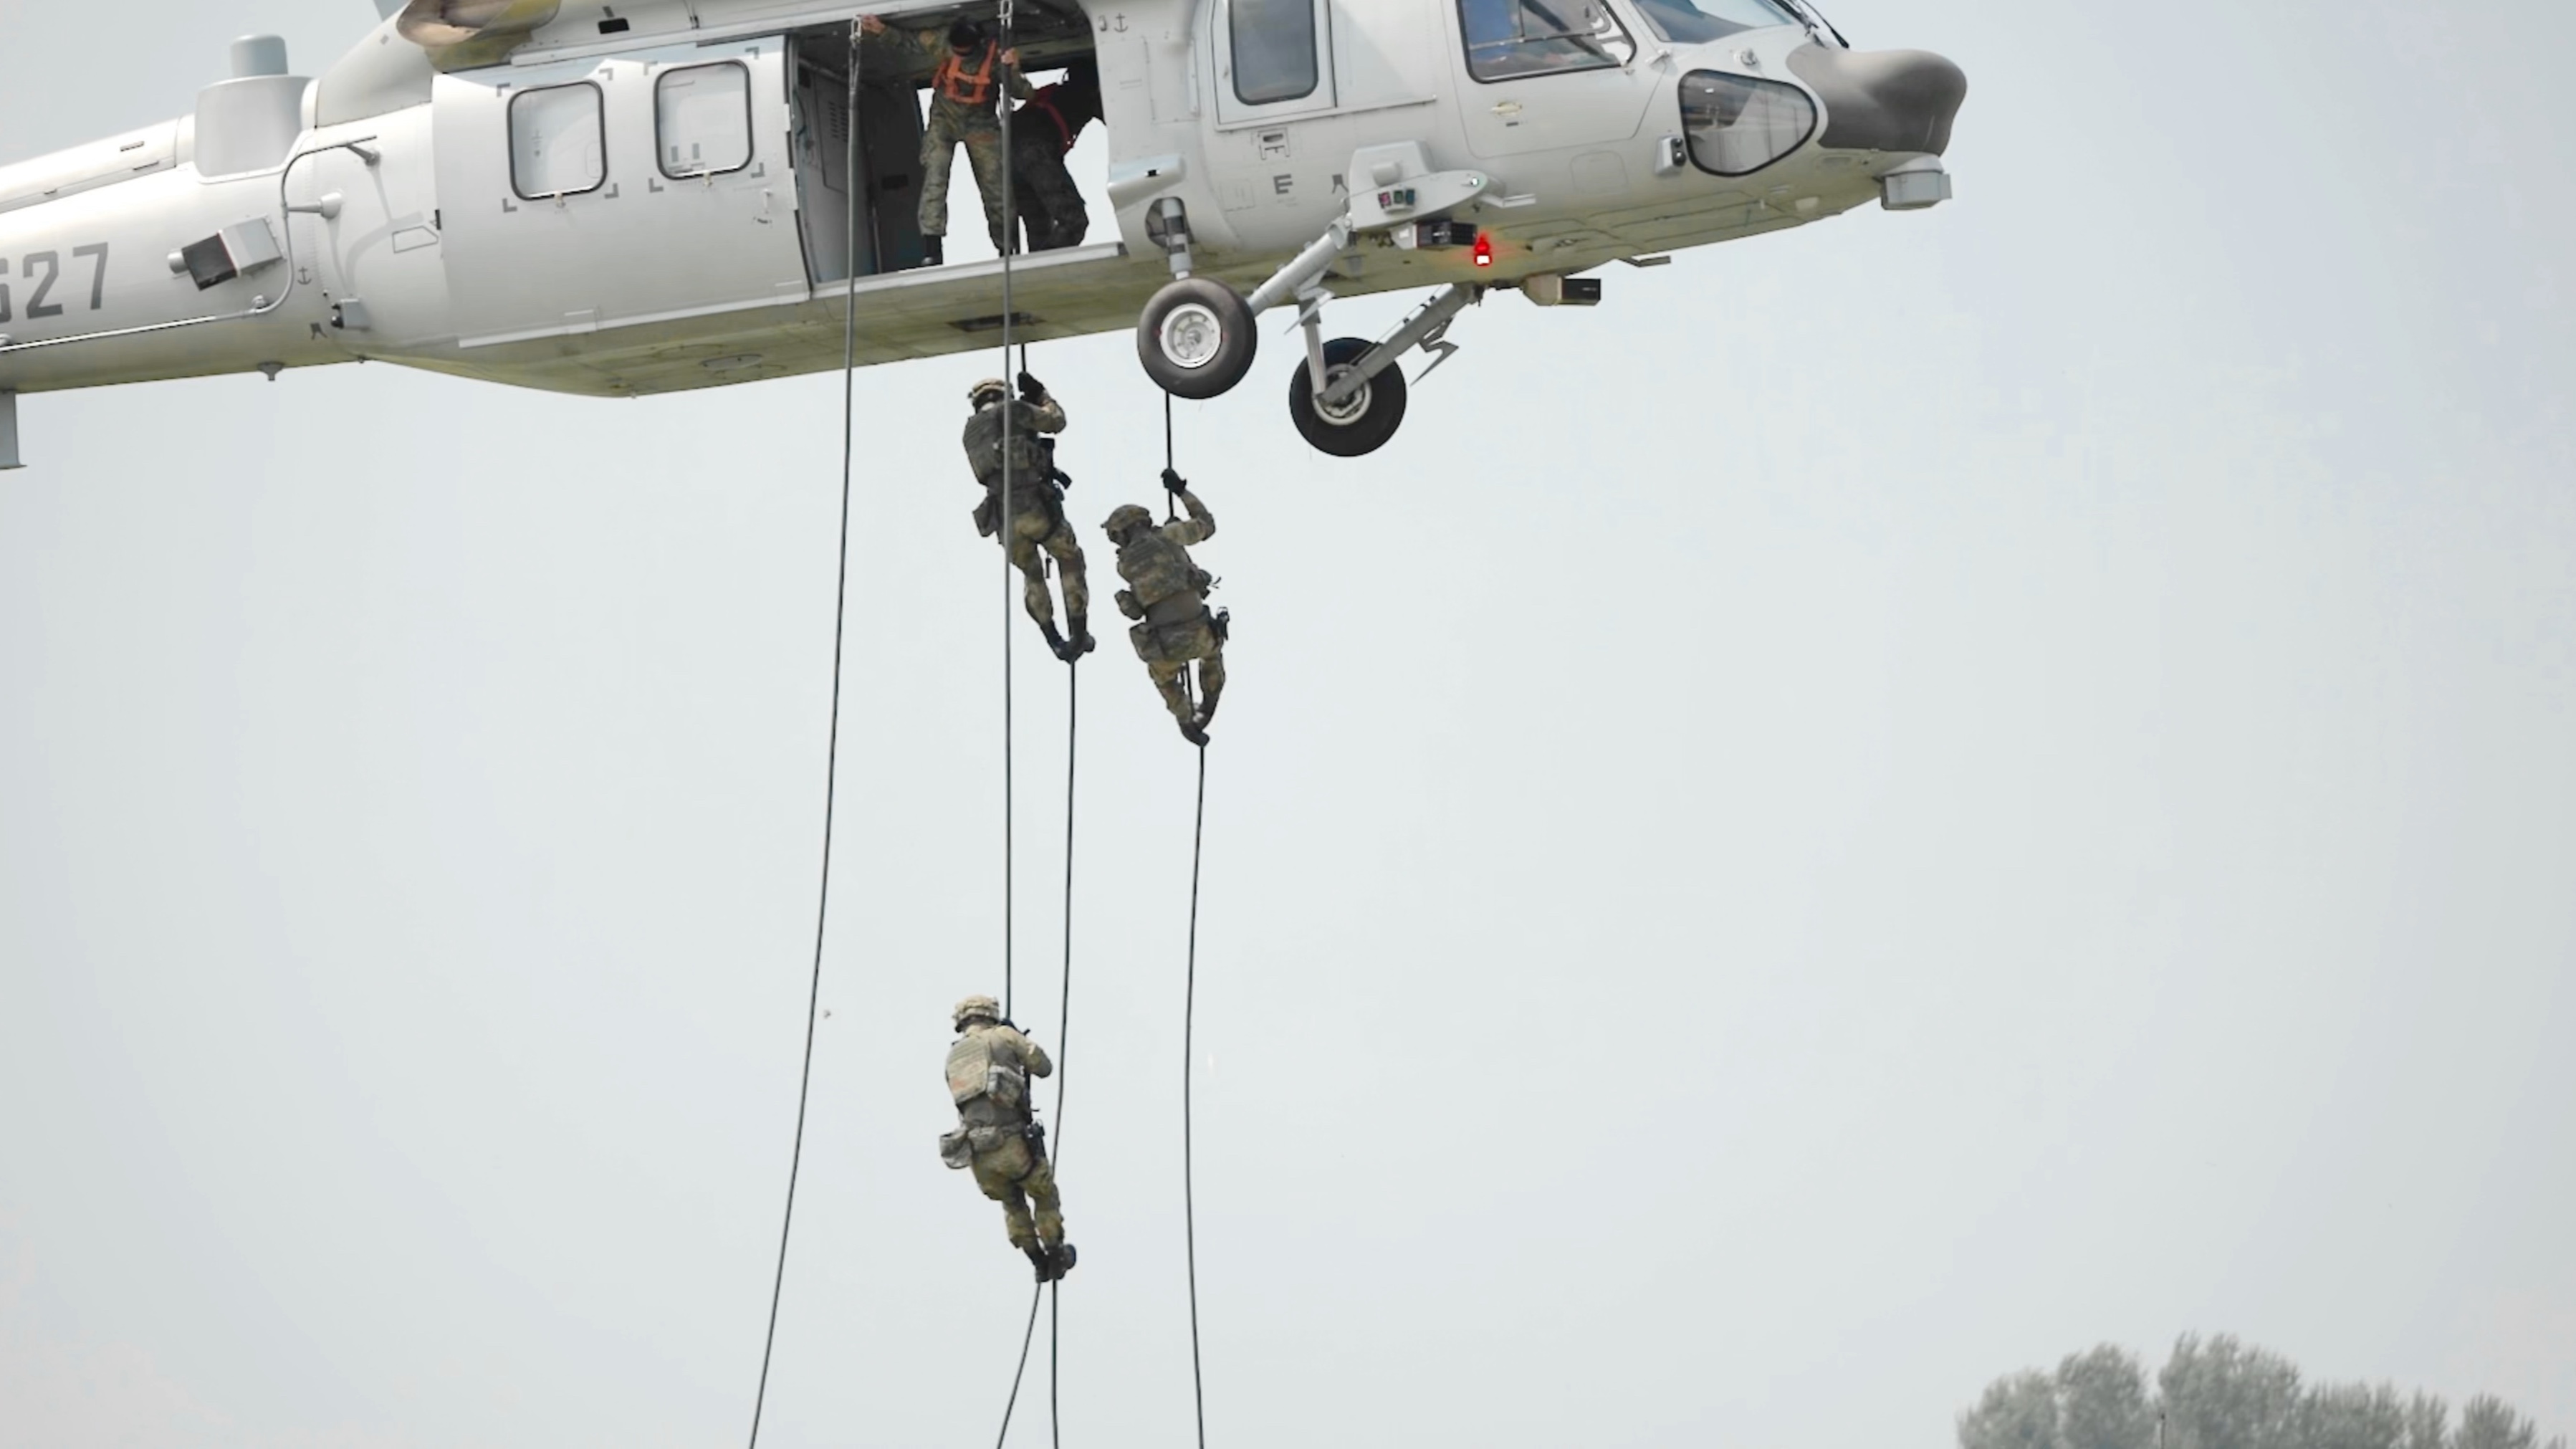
x=832, y=744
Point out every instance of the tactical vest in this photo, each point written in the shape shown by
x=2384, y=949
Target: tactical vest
x=963, y=86
x=984, y=449
x=1164, y=580
x=975, y=1074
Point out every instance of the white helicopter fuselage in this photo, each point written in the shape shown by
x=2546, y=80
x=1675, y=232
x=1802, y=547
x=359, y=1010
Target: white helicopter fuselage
x=656, y=200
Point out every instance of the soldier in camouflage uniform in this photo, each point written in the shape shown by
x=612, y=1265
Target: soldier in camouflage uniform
x=965, y=89
x=1042, y=133
x=1037, y=503
x=1167, y=595
x=989, y=1066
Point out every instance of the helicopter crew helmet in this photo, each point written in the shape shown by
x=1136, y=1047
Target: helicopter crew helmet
x=983, y=394
x=1126, y=519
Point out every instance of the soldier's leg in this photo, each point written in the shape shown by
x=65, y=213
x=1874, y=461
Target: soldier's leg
x=1028, y=158
x=1060, y=200
x=1067, y=549
x=984, y=152
x=938, y=155
x=1040, y=1186
x=1000, y=1173
x=1026, y=530
x=1167, y=681
x=1211, y=683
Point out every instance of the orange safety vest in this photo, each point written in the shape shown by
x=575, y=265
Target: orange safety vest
x=965, y=87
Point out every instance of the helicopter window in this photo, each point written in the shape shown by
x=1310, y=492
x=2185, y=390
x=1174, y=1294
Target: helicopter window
x=1274, y=50
x=1511, y=38
x=558, y=142
x=702, y=116
x=1692, y=22
x=1738, y=125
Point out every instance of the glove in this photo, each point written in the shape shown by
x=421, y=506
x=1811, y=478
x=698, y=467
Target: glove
x=1174, y=482
x=1032, y=390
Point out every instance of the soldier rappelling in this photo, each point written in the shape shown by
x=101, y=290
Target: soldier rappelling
x=1166, y=594
x=989, y=1067
x=1036, y=502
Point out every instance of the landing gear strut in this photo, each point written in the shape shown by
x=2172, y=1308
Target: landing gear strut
x=1348, y=397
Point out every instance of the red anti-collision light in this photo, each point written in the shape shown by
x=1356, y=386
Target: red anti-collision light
x=1484, y=250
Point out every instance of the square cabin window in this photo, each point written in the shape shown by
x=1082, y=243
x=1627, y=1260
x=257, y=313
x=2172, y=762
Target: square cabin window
x=702, y=116
x=558, y=142
x=1275, y=52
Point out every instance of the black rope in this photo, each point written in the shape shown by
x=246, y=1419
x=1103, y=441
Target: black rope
x=1189, y=1024
x=832, y=748
x=1026, y=1338
x=1010, y=521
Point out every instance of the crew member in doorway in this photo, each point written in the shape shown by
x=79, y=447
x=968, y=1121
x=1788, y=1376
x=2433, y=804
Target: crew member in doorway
x=965, y=89
x=1167, y=594
x=1042, y=133
x=1037, y=519
x=989, y=1066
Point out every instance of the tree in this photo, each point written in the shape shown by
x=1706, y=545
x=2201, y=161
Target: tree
x=2487, y=1422
x=2352, y=1416
x=2019, y=1412
x=2221, y=1394
x=2102, y=1401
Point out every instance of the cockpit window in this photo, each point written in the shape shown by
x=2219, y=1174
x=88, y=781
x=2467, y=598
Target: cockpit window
x=1691, y=22
x=1511, y=38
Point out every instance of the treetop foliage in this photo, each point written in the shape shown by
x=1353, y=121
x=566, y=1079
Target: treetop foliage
x=2221, y=1394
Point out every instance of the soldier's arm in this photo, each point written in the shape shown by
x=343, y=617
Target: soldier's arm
x=1016, y=84
x=1036, y=1057
x=1201, y=525
x=1045, y=417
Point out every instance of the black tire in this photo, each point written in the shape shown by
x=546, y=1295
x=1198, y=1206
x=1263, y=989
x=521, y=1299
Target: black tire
x=1196, y=338
x=1359, y=426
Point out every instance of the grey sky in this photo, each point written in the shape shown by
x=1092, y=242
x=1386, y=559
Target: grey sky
x=1900, y=799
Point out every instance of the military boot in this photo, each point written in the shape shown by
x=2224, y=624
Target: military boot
x=1055, y=641
x=1207, y=708
x=1083, y=643
x=930, y=249
x=1190, y=731
x=1060, y=1260
x=1040, y=1259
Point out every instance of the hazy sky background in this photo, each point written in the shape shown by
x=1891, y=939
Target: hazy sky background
x=1901, y=799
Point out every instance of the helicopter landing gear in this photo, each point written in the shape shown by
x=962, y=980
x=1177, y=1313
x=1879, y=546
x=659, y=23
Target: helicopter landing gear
x=1342, y=420
x=1196, y=338
x=1349, y=396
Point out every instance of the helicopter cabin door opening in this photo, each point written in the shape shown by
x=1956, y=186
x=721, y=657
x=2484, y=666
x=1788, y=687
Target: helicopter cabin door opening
x=889, y=180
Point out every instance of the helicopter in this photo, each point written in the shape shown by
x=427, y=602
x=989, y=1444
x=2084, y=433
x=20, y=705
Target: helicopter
x=660, y=195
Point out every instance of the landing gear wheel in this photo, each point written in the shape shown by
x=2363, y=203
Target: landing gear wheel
x=1359, y=425
x=1196, y=338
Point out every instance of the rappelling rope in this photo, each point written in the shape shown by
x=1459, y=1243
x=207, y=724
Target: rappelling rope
x=1009, y=248
x=1010, y=521
x=1189, y=1024
x=832, y=747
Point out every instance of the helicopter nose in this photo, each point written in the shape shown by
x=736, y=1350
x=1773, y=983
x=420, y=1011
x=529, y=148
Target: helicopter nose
x=1883, y=100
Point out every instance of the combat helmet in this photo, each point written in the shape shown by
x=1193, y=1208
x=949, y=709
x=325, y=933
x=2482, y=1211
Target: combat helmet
x=1127, y=518
x=972, y=1007
x=991, y=389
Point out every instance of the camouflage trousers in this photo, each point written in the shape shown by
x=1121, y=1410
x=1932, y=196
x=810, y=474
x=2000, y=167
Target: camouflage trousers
x=1050, y=205
x=1041, y=526
x=981, y=135
x=1016, y=1175
x=1168, y=649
